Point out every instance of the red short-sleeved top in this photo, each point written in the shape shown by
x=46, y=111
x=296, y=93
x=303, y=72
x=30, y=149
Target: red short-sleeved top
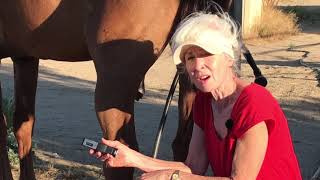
x=255, y=104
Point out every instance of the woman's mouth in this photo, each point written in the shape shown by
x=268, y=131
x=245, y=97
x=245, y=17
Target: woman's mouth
x=203, y=79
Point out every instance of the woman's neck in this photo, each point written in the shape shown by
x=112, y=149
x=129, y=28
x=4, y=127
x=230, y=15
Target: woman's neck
x=228, y=94
x=227, y=88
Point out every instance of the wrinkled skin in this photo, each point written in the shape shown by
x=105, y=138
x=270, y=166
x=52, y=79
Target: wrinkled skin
x=123, y=37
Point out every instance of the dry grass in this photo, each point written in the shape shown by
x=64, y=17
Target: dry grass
x=270, y=3
x=48, y=167
x=275, y=23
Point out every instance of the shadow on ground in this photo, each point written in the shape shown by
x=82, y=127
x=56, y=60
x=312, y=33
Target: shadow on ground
x=65, y=115
x=308, y=17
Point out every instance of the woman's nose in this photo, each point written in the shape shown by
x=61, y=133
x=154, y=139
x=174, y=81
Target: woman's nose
x=198, y=63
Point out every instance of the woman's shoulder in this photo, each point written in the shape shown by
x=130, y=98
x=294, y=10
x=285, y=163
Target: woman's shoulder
x=255, y=104
x=255, y=92
x=254, y=97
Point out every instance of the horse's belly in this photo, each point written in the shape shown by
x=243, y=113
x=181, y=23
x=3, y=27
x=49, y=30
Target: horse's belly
x=51, y=29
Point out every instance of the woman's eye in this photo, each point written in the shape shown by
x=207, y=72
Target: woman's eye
x=190, y=57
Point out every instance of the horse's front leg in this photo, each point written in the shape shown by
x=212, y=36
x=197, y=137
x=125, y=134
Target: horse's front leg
x=5, y=170
x=25, y=76
x=120, y=66
x=124, y=39
x=118, y=125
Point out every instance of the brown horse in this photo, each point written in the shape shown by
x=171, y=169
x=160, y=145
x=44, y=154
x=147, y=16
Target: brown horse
x=123, y=37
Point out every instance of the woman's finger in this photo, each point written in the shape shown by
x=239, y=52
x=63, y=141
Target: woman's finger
x=97, y=154
x=105, y=157
x=110, y=143
x=91, y=151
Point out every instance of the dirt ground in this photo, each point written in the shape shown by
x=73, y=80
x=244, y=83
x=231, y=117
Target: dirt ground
x=65, y=108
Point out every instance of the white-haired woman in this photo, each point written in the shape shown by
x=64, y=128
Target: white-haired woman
x=240, y=129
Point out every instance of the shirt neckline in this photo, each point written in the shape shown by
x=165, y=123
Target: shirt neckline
x=236, y=102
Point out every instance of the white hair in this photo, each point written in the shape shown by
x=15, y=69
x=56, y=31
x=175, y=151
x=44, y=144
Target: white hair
x=213, y=31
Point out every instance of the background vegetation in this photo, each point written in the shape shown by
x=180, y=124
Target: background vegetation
x=275, y=22
x=7, y=104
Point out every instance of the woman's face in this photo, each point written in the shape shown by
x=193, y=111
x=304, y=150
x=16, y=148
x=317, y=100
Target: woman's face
x=207, y=71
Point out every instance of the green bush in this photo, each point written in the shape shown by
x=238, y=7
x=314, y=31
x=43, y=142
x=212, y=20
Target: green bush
x=7, y=105
x=303, y=13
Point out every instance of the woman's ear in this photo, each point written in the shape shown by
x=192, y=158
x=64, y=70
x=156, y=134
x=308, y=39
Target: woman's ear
x=230, y=61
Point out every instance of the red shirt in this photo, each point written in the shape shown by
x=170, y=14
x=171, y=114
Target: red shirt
x=255, y=104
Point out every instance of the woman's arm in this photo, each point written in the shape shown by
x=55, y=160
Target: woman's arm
x=249, y=155
x=127, y=157
x=196, y=162
x=250, y=152
x=197, y=158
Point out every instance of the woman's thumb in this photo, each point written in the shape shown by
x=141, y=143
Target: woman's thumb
x=109, y=143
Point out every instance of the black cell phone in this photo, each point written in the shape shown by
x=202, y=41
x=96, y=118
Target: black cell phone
x=99, y=147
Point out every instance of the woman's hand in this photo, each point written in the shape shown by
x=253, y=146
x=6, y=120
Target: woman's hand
x=160, y=174
x=124, y=158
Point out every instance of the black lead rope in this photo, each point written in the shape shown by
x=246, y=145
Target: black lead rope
x=165, y=113
x=259, y=78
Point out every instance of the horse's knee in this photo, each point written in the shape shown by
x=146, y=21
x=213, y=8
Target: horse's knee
x=128, y=135
x=23, y=135
x=118, y=125
x=111, y=122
